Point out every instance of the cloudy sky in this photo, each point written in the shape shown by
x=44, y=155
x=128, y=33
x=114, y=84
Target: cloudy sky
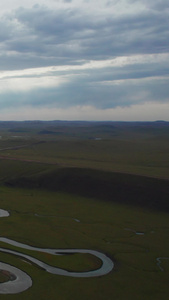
x=84, y=60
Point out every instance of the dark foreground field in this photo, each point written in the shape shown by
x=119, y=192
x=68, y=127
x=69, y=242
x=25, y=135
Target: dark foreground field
x=100, y=186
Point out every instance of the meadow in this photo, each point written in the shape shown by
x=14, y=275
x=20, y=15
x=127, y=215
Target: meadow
x=100, y=186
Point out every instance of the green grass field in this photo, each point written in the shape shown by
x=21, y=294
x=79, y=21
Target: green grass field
x=110, y=228
x=70, y=190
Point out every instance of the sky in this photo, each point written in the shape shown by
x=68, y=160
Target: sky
x=84, y=60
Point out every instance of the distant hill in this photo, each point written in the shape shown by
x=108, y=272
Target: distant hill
x=85, y=129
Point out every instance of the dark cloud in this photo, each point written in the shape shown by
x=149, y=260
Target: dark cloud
x=4, y=32
x=71, y=34
x=92, y=90
x=67, y=1
x=40, y=37
x=158, y=5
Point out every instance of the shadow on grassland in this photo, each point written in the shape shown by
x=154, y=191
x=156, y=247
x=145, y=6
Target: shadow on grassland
x=151, y=193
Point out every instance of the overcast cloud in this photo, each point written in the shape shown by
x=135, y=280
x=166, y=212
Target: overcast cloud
x=84, y=60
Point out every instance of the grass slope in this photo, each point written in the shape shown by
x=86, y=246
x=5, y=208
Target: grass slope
x=115, y=187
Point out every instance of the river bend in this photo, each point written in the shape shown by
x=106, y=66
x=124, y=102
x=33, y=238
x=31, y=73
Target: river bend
x=22, y=281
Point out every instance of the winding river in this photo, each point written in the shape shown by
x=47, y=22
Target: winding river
x=21, y=281
x=158, y=259
x=4, y=213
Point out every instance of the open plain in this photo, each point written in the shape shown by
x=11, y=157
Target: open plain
x=101, y=186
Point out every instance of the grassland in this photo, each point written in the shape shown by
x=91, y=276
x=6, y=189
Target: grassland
x=94, y=186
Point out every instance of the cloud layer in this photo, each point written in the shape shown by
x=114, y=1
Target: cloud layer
x=77, y=57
